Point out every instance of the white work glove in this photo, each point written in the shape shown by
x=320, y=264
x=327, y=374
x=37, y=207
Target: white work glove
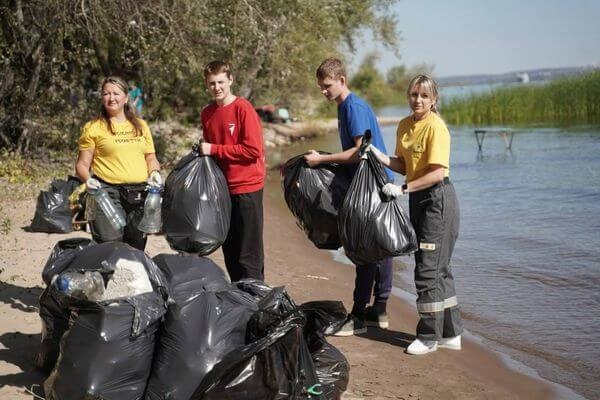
x=155, y=180
x=391, y=190
x=371, y=149
x=92, y=184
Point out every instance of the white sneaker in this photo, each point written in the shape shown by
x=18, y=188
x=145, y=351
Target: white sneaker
x=452, y=343
x=418, y=347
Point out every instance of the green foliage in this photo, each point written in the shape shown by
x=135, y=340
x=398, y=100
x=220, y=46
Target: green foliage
x=54, y=54
x=14, y=168
x=397, y=77
x=370, y=83
x=570, y=100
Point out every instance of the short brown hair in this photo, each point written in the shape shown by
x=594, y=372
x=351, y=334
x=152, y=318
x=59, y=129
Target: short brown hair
x=332, y=68
x=217, y=67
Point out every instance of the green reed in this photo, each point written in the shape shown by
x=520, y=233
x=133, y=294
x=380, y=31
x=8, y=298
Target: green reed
x=574, y=100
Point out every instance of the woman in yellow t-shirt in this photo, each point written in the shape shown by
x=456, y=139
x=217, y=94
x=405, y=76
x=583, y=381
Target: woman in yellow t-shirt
x=423, y=155
x=116, y=153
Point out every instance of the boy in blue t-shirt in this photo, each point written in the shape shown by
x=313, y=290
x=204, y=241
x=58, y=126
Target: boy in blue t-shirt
x=355, y=117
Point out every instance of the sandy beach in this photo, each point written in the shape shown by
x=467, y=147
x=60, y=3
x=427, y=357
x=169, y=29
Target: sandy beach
x=380, y=369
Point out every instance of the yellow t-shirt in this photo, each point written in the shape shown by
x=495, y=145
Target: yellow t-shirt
x=421, y=143
x=118, y=157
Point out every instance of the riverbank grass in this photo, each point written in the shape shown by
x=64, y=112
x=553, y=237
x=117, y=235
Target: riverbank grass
x=571, y=100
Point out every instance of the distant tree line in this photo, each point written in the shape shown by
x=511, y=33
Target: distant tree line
x=54, y=53
x=381, y=90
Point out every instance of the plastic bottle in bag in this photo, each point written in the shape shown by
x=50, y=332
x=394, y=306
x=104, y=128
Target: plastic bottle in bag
x=88, y=285
x=152, y=220
x=114, y=215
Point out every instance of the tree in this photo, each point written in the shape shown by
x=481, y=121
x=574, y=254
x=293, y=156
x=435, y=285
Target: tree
x=397, y=78
x=370, y=83
x=53, y=53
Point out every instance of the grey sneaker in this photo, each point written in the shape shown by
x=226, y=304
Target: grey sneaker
x=378, y=320
x=353, y=326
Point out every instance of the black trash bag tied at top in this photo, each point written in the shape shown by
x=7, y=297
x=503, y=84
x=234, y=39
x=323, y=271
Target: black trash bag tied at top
x=333, y=370
x=54, y=317
x=205, y=321
x=106, y=353
x=52, y=211
x=373, y=227
x=274, y=364
x=196, y=207
x=314, y=196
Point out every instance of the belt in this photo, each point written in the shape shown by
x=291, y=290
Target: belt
x=117, y=184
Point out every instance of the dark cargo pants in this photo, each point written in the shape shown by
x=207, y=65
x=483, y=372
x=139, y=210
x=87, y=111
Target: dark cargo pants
x=103, y=231
x=243, y=249
x=434, y=213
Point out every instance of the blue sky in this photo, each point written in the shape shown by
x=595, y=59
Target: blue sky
x=464, y=37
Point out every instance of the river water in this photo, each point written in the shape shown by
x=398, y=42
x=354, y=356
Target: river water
x=527, y=262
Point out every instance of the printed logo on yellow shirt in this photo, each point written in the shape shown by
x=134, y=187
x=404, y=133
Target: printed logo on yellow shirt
x=127, y=137
x=417, y=150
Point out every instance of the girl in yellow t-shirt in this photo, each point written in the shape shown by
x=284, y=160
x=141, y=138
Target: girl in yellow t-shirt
x=116, y=153
x=423, y=155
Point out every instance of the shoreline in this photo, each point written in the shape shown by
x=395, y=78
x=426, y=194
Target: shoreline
x=481, y=372
x=308, y=274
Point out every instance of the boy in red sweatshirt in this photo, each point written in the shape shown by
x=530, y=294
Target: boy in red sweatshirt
x=233, y=136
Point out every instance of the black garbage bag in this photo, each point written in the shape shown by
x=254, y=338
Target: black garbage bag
x=314, y=196
x=274, y=364
x=323, y=317
x=206, y=321
x=52, y=211
x=55, y=322
x=196, y=206
x=62, y=254
x=54, y=317
x=107, y=351
x=371, y=226
x=333, y=370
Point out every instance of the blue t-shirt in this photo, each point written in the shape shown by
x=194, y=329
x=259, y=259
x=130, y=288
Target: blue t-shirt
x=355, y=116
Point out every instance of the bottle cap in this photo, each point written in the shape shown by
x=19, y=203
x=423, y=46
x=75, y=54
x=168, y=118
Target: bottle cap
x=62, y=283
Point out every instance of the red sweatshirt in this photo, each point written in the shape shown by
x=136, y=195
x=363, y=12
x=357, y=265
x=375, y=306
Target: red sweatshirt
x=236, y=135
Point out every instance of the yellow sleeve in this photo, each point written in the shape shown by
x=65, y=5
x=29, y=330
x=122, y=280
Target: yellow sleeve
x=149, y=148
x=439, y=146
x=399, y=133
x=86, y=140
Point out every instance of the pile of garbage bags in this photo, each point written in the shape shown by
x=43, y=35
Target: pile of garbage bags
x=53, y=213
x=106, y=348
x=187, y=334
x=196, y=207
x=335, y=210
